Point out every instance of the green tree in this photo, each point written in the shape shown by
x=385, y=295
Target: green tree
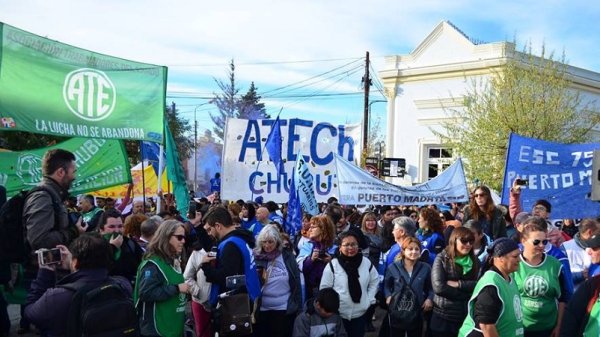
x=22, y=140
x=227, y=103
x=250, y=106
x=529, y=95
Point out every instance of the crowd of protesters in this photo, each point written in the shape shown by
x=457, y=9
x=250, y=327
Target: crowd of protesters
x=476, y=269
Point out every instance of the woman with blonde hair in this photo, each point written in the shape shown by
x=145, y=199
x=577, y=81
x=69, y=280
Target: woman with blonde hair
x=407, y=269
x=160, y=291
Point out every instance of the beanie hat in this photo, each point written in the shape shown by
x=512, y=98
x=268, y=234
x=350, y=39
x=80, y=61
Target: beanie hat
x=544, y=203
x=502, y=247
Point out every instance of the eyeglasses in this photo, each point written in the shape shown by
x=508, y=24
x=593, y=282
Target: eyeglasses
x=113, y=226
x=179, y=237
x=350, y=245
x=466, y=241
x=537, y=242
x=477, y=195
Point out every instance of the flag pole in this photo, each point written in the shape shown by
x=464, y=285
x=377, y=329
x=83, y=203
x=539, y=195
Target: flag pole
x=262, y=153
x=161, y=166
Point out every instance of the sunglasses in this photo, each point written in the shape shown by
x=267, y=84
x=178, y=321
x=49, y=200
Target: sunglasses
x=477, y=195
x=537, y=242
x=114, y=226
x=179, y=237
x=465, y=241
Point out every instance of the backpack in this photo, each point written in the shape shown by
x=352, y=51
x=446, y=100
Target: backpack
x=13, y=232
x=403, y=309
x=104, y=310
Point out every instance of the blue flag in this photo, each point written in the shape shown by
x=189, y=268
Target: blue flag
x=293, y=222
x=273, y=145
x=150, y=152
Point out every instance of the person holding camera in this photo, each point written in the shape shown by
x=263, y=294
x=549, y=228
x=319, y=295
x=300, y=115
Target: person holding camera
x=160, y=294
x=47, y=305
x=316, y=253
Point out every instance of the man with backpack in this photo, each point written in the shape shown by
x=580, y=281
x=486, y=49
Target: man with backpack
x=85, y=302
x=44, y=214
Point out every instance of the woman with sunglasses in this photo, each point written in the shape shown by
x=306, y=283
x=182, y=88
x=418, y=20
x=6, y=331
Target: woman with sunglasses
x=495, y=307
x=453, y=278
x=482, y=208
x=542, y=283
x=355, y=279
x=160, y=292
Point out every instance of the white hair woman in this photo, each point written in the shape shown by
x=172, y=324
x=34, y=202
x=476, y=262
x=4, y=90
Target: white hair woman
x=281, y=294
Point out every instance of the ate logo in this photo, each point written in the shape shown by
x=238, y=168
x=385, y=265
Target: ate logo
x=89, y=94
x=536, y=286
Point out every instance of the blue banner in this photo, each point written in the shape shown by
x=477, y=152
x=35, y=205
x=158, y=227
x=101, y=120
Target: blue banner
x=304, y=183
x=151, y=152
x=559, y=173
x=359, y=187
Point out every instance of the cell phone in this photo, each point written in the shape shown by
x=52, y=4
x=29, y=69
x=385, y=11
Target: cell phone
x=235, y=281
x=213, y=252
x=49, y=256
x=522, y=182
x=192, y=209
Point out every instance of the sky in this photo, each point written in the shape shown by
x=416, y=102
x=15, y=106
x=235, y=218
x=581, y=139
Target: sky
x=305, y=57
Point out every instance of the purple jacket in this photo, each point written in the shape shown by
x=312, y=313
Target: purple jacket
x=47, y=306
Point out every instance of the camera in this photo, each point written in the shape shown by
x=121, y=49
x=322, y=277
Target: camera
x=522, y=182
x=322, y=255
x=49, y=256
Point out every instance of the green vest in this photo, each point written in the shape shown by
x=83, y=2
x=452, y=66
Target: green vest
x=510, y=322
x=169, y=315
x=592, y=328
x=539, y=288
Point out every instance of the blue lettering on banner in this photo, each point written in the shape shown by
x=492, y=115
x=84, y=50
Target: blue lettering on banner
x=251, y=141
x=313, y=144
x=273, y=183
x=293, y=137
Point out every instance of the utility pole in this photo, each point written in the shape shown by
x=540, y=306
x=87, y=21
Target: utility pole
x=367, y=86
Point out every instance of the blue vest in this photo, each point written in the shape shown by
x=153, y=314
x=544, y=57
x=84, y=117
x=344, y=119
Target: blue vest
x=428, y=243
x=252, y=282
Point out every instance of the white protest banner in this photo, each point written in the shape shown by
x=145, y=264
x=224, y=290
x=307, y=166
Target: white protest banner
x=248, y=172
x=359, y=187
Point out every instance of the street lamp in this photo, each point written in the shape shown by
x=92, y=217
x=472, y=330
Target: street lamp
x=196, y=145
x=368, y=121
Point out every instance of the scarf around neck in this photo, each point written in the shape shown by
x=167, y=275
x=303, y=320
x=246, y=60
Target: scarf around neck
x=465, y=262
x=350, y=266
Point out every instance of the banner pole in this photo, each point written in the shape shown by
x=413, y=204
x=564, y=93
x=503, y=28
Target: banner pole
x=143, y=184
x=161, y=166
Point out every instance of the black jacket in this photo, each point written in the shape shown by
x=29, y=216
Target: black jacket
x=128, y=262
x=451, y=303
x=576, y=316
x=230, y=262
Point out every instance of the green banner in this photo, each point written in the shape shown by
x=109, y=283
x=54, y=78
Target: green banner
x=52, y=88
x=101, y=163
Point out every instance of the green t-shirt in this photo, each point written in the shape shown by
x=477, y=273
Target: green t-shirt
x=592, y=328
x=510, y=321
x=539, y=288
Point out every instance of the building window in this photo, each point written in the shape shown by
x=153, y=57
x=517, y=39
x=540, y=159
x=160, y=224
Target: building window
x=438, y=159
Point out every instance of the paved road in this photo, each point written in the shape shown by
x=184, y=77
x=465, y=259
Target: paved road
x=13, y=312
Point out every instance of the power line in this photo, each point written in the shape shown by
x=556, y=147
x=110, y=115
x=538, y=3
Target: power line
x=265, y=62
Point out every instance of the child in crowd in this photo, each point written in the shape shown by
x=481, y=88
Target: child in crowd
x=321, y=318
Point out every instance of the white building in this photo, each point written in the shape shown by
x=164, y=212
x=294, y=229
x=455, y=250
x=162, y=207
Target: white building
x=422, y=86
